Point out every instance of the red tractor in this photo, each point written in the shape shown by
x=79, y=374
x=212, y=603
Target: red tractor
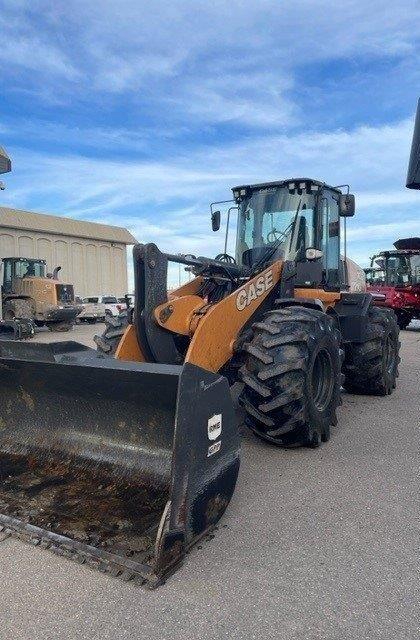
x=394, y=280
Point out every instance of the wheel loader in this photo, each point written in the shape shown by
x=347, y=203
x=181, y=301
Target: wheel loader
x=28, y=292
x=124, y=457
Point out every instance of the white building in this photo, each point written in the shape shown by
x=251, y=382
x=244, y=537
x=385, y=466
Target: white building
x=92, y=256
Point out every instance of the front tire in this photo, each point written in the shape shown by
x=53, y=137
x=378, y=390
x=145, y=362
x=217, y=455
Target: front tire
x=371, y=367
x=115, y=327
x=292, y=377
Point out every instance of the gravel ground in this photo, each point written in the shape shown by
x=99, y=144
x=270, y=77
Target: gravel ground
x=317, y=544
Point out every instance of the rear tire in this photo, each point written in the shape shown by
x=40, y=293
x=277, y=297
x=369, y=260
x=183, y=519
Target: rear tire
x=114, y=329
x=371, y=367
x=292, y=377
x=18, y=308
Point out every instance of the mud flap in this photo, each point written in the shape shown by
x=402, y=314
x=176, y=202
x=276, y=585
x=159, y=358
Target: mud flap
x=118, y=464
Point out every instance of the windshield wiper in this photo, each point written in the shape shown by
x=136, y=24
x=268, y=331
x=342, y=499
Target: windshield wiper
x=279, y=241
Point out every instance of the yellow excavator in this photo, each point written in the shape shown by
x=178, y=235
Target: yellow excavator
x=125, y=456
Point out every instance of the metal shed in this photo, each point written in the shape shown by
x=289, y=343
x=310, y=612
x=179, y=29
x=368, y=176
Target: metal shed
x=92, y=256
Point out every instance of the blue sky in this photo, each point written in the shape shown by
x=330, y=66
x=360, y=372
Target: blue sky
x=140, y=113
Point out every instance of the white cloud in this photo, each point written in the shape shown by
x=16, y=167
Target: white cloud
x=142, y=195
x=213, y=62
x=372, y=160
x=29, y=48
x=385, y=231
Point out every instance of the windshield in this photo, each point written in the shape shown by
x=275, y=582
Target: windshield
x=109, y=300
x=271, y=218
x=403, y=269
x=90, y=300
x=415, y=269
x=375, y=276
x=29, y=268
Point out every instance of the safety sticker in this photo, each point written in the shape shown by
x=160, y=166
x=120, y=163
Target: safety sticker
x=214, y=426
x=214, y=448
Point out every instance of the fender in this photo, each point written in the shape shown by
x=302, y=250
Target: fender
x=212, y=343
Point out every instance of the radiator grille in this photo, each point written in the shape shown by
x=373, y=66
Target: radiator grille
x=65, y=292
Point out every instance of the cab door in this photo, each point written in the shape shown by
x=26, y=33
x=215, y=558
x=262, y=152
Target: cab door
x=8, y=274
x=330, y=239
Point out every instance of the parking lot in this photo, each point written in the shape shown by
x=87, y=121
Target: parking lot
x=316, y=544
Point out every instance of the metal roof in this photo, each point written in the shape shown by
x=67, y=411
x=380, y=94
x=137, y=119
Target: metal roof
x=5, y=163
x=58, y=225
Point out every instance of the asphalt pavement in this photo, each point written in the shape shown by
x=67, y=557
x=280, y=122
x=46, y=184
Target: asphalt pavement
x=316, y=545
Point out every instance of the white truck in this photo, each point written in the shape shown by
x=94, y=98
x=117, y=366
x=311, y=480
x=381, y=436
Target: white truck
x=95, y=308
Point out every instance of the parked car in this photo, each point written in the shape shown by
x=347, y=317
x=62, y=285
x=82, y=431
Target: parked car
x=112, y=306
x=92, y=310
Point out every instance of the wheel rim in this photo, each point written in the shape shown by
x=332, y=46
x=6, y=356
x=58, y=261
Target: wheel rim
x=322, y=380
x=389, y=354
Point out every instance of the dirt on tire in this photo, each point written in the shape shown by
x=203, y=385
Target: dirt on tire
x=115, y=326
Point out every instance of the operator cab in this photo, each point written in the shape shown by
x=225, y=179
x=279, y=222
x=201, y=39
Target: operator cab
x=21, y=268
x=395, y=269
x=294, y=220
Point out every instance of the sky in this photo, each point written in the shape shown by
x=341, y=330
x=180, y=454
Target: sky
x=140, y=113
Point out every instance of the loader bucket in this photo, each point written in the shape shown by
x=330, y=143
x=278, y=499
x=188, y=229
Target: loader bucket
x=121, y=465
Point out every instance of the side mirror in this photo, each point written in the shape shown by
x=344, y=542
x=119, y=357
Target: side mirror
x=313, y=254
x=215, y=220
x=347, y=205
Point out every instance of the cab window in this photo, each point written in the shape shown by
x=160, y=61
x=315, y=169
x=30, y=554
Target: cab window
x=398, y=270
x=330, y=236
x=376, y=276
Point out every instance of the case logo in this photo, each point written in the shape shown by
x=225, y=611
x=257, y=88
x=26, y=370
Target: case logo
x=254, y=290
